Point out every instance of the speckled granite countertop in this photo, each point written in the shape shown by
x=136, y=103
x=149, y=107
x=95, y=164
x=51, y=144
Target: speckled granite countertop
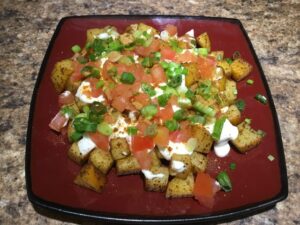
x=26, y=29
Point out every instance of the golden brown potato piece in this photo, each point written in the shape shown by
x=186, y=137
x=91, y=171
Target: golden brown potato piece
x=204, y=139
x=180, y=165
x=233, y=114
x=230, y=94
x=91, y=178
x=141, y=27
x=72, y=86
x=226, y=67
x=119, y=148
x=247, y=139
x=70, y=131
x=192, y=75
x=75, y=155
x=199, y=162
x=155, y=160
x=126, y=38
x=240, y=69
x=101, y=159
x=218, y=55
x=180, y=188
x=61, y=73
x=128, y=165
x=160, y=182
x=203, y=41
x=91, y=34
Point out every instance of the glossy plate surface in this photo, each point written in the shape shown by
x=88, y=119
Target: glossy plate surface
x=258, y=183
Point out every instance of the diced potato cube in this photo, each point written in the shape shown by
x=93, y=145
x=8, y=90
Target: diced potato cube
x=179, y=188
x=101, y=159
x=155, y=160
x=199, y=162
x=75, y=155
x=247, y=139
x=126, y=39
x=91, y=178
x=192, y=75
x=204, y=139
x=119, y=148
x=204, y=41
x=218, y=55
x=240, y=69
x=160, y=182
x=226, y=67
x=180, y=165
x=128, y=165
x=61, y=73
x=230, y=94
x=233, y=114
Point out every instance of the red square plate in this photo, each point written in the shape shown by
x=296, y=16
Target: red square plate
x=258, y=183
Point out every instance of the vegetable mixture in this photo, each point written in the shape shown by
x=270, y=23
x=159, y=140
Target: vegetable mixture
x=154, y=103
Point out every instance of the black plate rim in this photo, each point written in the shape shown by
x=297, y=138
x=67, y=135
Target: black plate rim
x=111, y=217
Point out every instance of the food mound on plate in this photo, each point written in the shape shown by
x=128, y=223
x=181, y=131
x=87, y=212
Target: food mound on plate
x=153, y=103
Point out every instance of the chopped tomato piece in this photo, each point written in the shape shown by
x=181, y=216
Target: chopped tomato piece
x=162, y=137
x=65, y=98
x=182, y=135
x=158, y=74
x=140, y=143
x=141, y=98
x=168, y=53
x=172, y=30
x=100, y=140
x=185, y=57
x=165, y=113
x=144, y=159
x=146, y=51
x=76, y=75
x=206, y=67
x=108, y=118
x=107, y=69
x=205, y=189
x=120, y=103
x=95, y=92
x=58, y=122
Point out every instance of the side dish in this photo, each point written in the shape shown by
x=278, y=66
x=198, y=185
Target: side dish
x=153, y=103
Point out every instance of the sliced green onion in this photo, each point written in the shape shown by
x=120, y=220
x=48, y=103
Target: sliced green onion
x=148, y=89
x=240, y=104
x=175, y=81
x=180, y=115
x=229, y=61
x=69, y=111
x=76, y=48
x=82, y=124
x=250, y=82
x=81, y=59
x=132, y=131
x=218, y=127
x=105, y=129
x=98, y=108
x=248, y=121
x=147, y=62
x=203, y=51
x=127, y=78
x=149, y=111
x=204, y=89
x=100, y=84
x=232, y=166
x=271, y=158
x=157, y=56
x=90, y=71
x=197, y=119
x=75, y=136
x=86, y=109
x=92, y=57
x=261, y=133
x=163, y=99
x=262, y=99
x=224, y=181
x=172, y=125
x=151, y=130
x=184, y=102
x=190, y=94
x=204, y=109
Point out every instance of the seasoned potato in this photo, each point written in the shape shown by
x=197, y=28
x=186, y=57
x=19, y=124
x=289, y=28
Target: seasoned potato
x=119, y=148
x=240, y=69
x=91, y=178
x=141, y=27
x=199, y=162
x=247, y=139
x=72, y=86
x=91, y=34
x=180, y=165
x=218, y=55
x=75, y=155
x=233, y=114
x=126, y=38
x=226, y=67
x=230, y=94
x=160, y=182
x=61, y=73
x=203, y=41
x=179, y=188
x=204, y=139
x=128, y=165
x=70, y=130
x=155, y=160
x=192, y=75
x=101, y=159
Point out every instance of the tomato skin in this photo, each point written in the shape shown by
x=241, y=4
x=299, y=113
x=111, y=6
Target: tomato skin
x=100, y=140
x=168, y=53
x=162, y=137
x=76, y=75
x=165, y=113
x=141, y=98
x=182, y=135
x=95, y=92
x=65, y=98
x=58, y=122
x=106, y=67
x=206, y=66
x=144, y=159
x=158, y=74
x=186, y=57
x=119, y=103
x=172, y=30
x=146, y=51
x=140, y=143
x=205, y=189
